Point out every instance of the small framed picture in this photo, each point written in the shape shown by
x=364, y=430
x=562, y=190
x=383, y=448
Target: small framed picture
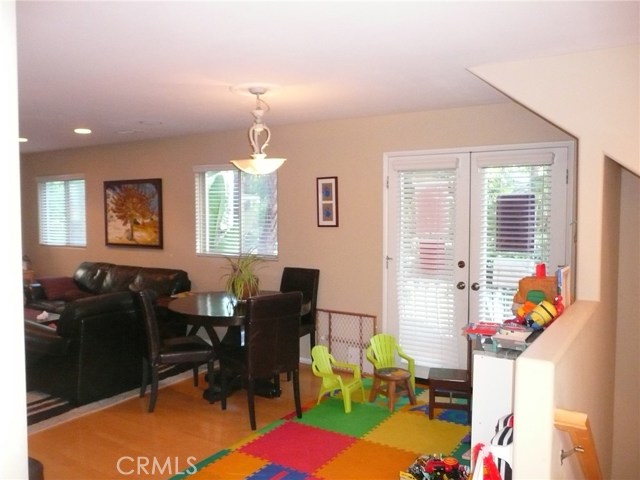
x=327, y=192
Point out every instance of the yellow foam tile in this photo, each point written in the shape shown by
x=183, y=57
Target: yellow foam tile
x=418, y=434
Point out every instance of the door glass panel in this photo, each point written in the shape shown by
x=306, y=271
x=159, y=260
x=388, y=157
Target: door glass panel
x=514, y=233
x=431, y=237
x=512, y=217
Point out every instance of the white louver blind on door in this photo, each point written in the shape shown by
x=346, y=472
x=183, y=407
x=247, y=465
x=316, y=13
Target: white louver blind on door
x=424, y=262
x=515, y=231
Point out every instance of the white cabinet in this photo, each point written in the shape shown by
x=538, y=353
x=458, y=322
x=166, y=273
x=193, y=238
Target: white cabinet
x=493, y=379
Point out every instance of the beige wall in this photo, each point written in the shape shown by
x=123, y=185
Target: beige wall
x=595, y=96
x=627, y=375
x=349, y=257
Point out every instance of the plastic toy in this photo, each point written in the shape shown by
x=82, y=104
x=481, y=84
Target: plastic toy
x=544, y=313
x=431, y=467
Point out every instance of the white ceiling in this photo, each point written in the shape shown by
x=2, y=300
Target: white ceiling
x=148, y=69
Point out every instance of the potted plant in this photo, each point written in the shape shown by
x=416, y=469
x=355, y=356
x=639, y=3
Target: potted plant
x=242, y=280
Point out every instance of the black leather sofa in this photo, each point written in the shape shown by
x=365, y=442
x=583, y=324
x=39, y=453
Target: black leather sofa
x=97, y=278
x=94, y=352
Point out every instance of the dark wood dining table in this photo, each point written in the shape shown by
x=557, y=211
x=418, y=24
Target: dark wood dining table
x=209, y=310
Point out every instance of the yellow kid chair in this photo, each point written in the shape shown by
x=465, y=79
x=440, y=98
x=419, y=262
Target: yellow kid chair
x=382, y=354
x=322, y=366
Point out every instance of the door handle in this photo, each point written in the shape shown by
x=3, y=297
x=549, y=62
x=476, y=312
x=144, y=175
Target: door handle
x=461, y=285
x=475, y=286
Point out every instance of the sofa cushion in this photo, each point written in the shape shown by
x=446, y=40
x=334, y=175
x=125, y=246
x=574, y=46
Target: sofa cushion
x=77, y=294
x=55, y=288
x=90, y=276
x=118, y=278
x=164, y=282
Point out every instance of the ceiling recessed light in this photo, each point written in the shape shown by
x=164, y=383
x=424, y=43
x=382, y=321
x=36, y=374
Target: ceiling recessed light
x=23, y=140
x=82, y=131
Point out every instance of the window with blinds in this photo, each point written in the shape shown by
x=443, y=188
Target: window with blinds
x=236, y=213
x=425, y=262
x=61, y=211
x=515, y=232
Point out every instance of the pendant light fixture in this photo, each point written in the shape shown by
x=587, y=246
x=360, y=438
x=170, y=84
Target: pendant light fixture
x=259, y=136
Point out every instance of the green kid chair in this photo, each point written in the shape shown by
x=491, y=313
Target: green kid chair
x=382, y=354
x=322, y=366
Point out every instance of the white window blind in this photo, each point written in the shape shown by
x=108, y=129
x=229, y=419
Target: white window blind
x=61, y=208
x=236, y=212
x=425, y=283
x=515, y=232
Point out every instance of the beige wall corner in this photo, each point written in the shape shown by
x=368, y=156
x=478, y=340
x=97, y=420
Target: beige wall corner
x=595, y=97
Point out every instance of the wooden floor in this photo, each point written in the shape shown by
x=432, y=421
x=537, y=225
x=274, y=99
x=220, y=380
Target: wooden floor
x=124, y=441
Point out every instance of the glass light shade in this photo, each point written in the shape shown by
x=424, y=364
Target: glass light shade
x=259, y=164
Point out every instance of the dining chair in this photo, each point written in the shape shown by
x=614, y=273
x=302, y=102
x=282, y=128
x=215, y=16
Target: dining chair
x=323, y=364
x=305, y=280
x=192, y=350
x=271, y=347
x=383, y=351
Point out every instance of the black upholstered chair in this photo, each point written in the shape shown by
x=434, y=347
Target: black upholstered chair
x=272, y=347
x=191, y=350
x=305, y=280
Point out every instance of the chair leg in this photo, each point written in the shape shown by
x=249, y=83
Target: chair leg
x=251, y=401
x=391, y=394
x=195, y=375
x=374, y=389
x=296, y=392
x=223, y=388
x=155, y=379
x=346, y=399
x=210, y=379
x=410, y=392
x=145, y=376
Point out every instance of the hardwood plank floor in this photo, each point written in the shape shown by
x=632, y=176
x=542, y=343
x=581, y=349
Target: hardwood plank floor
x=125, y=441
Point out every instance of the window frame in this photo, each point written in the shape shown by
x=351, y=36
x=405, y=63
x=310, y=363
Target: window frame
x=269, y=249
x=72, y=214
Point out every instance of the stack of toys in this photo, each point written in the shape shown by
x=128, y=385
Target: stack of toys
x=536, y=303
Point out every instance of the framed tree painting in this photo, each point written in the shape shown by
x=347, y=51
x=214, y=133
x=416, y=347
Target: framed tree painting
x=327, y=193
x=133, y=213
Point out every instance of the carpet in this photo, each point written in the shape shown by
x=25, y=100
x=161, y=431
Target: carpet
x=44, y=410
x=368, y=443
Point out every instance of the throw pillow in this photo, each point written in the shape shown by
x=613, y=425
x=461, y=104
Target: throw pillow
x=55, y=288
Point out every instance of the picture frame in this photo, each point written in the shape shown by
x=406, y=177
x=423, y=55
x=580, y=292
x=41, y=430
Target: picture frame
x=327, y=198
x=133, y=213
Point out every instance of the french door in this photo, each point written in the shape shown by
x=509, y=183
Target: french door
x=461, y=229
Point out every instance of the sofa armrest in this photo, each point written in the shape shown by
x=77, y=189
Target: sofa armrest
x=42, y=340
x=34, y=292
